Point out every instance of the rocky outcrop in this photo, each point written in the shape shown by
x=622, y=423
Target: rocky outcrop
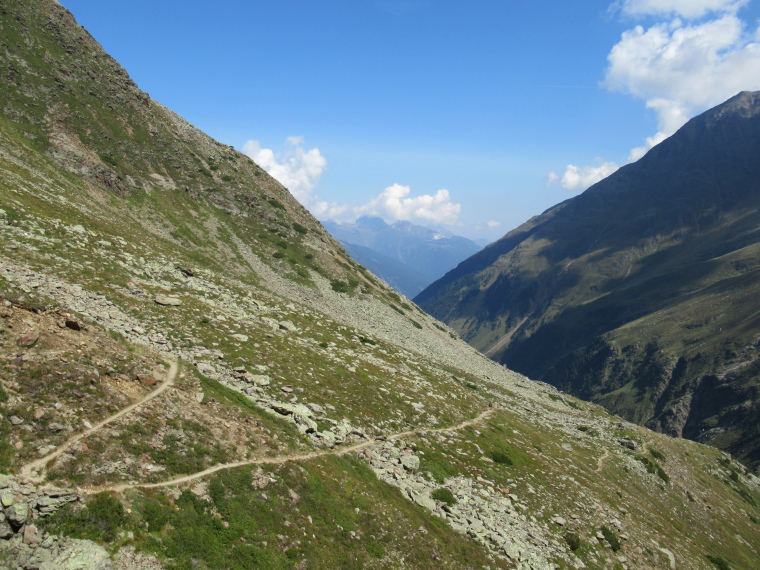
x=29, y=547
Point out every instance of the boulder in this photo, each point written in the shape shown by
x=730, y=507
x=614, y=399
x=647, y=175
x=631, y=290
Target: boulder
x=31, y=536
x=628, y=443
x=18, y=514
x=28, y=339
x=258, y=379
x=410, y=462
x=205, y=369
x=147, y=379
x=5, y=529
x=167, y=300
x=423, y=501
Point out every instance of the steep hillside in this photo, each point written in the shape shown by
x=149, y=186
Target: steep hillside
x=406, y=255
x=642, y=293
x=195, y=375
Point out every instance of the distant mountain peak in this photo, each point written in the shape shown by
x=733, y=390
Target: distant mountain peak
x=371, y=223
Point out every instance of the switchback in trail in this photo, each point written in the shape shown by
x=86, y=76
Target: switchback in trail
x=283, y=458
x=40, y=465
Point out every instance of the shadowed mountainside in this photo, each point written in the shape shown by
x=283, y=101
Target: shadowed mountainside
x=642, y=293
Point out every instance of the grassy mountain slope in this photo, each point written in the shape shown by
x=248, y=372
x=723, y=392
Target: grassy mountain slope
x=643, y=292
x=195, y=375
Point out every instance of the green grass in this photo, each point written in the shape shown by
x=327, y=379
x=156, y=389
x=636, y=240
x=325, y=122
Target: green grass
x=444, y=495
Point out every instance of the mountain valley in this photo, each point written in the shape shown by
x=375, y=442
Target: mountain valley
x=195, y=374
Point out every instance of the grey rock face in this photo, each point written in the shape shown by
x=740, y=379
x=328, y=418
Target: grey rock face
x=80, y=555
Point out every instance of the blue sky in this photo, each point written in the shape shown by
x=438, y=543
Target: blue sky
x=472, y=115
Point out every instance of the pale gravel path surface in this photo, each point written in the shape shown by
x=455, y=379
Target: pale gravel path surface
x=39, y=464
x=284, y=458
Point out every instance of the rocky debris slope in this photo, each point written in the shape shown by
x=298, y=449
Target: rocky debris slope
x=29, y=547
x=491, y=516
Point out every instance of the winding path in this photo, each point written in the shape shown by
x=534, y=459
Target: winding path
x=283, y=458
x=600, y=461
x=40, y=464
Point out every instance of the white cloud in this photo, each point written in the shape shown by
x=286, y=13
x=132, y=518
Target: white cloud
x=579, y=178
x=395, y=203
x=678, y=68
x=297, y=169
x=330, y=210
x=493, y=224
x=683, y=8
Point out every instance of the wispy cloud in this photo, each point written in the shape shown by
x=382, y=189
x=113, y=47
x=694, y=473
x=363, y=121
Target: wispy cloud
x=296, y=168
x=699, y=55
x=683, y=8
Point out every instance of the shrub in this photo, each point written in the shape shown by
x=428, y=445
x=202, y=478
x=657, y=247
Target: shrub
x=339, y=286
x=278, y=255
x=99, y=519
x=653, y=467
x=299, y=228
x=416, y=324
x=573, y=540
x=227, y=178
x=156, y=515
x=276, y=203
x=444, y=495
x=719, y=562
x=658, y=455
x=611, y=537
x=308, y=256
x=108, y=159
x=501, y=458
